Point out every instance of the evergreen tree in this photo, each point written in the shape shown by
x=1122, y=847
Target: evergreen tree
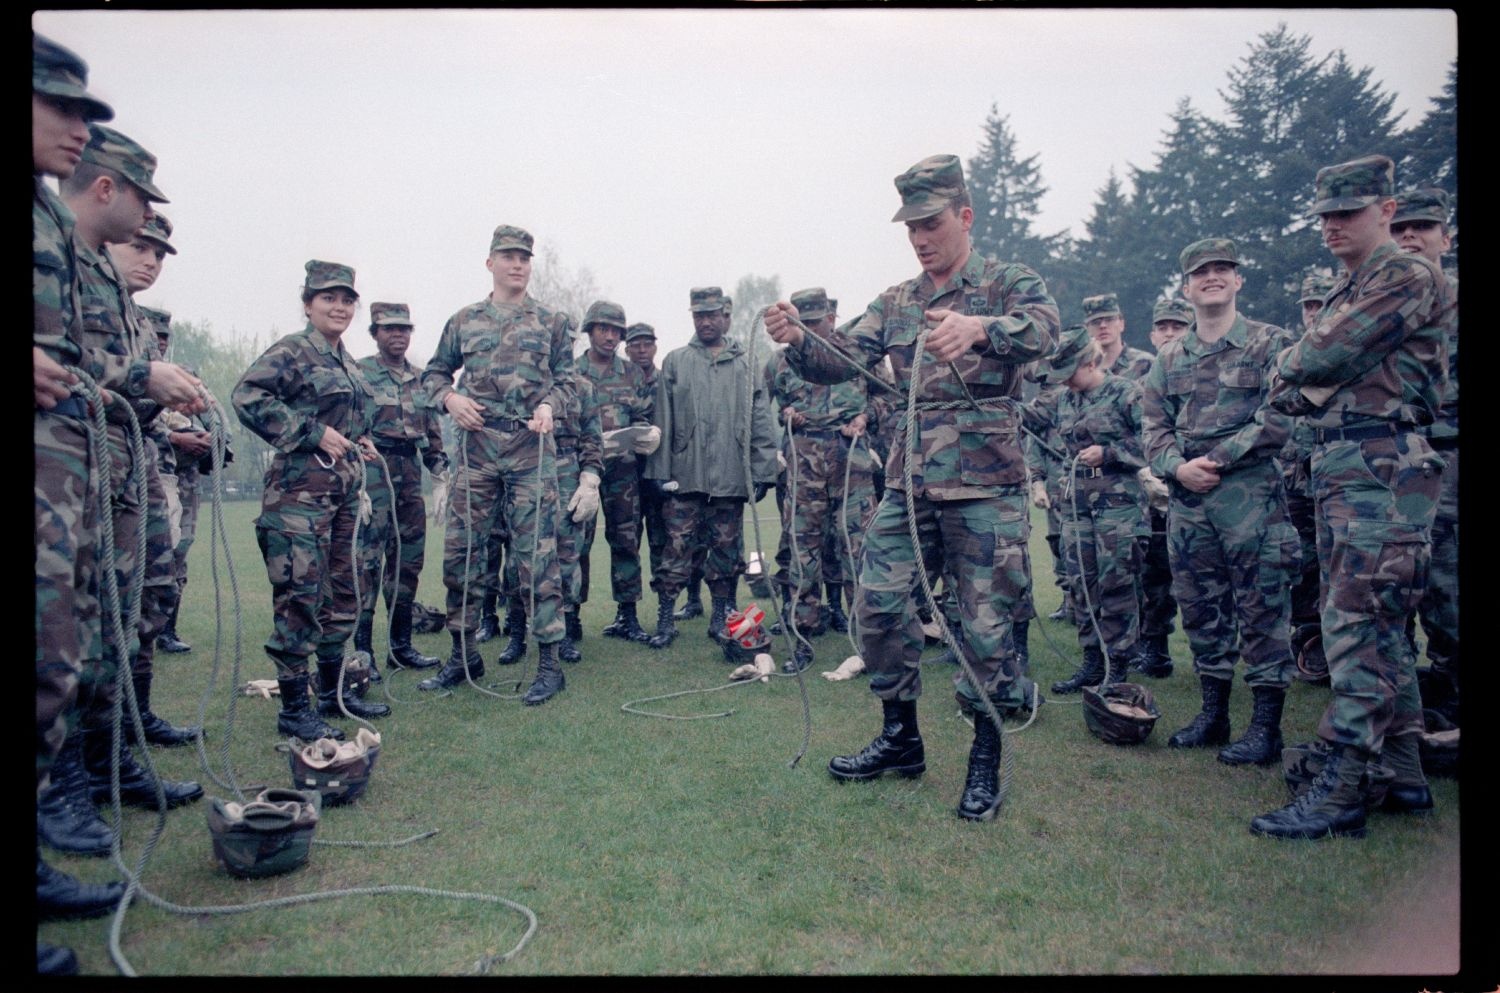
x=1429, y=152
x=1007, y=191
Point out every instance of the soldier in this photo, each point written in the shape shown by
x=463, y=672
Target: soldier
x=1420, y=227
x=580, y=448
x=406, y=433
x=962, y=469
x=110, y=194
x=1099, y=425
x=1296, y=475
x=67, y=608
x=640, y=347
x=1364, y=379
x=1170, y=319
x=517, y=358
x=1209, y=433
x=620, y=399
x=708, y=416
x=821, y=425
x=1106, y=325
x=139, y=261
x=307, y=399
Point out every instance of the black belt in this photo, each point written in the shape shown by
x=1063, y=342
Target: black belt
x=407, y=448
x=73, y=406
x=1364, y=432
x=1086, y=472
x=566, y=447
x=1447, y=443
x=503, y=423
x=815, y=432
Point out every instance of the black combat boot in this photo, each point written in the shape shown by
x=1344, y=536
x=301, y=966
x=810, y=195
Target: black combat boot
x=55, y=960
x=837, y=619
x=402, y=653
x=1151, y=657
x=168, y=641
x=1332, y=806
x=693, y=606
x=549, y=679
x=137, y=787
x=328, y=694
x=573, y=627
x=1211, y=726
x=719, y=619
x=60, y=896
x=981, y=797
x=489, y=624
x=452, y=673
x=515, y=649
x=1408, y=792
x=898, y=747
x=1117, y=666
x=66, y=819
x=802, y=657
x=567, y=649
x=363, y=631
x=1089, y=673
x=1020, y=632
x=297, y=718
x=1261, y=743
x=666, y=623
x=626, y=625
x=1064, y=610
x=158, y=731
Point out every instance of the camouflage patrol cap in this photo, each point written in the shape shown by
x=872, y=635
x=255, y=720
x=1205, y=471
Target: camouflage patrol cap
x=1427, y=204
x=1058, y=367
x=158, y=229
x=390, y=315
x=112, y=150
x=929, y=186
x=1173, y=309
x=1103, y=305
x=509, y=237
x=58, y=72
x=640, y=331
x=326, y=275
x=1208, y=250
x=833, y=305
x=161, y=320
x=703, y=299
x=1315, y=287
x=1355, y=184
x=811, y=304
x=605, y=312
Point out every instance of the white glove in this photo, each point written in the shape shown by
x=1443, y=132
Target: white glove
x=849, y=668
x=670, y=486
x=648, y=441
x=263, y=688
x=760, y=669
x=366, y=509
x=780, y=461
x=440, y=499
x=1039, y=497
x=585, y=502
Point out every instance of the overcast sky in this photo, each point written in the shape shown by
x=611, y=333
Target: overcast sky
x=661, y=149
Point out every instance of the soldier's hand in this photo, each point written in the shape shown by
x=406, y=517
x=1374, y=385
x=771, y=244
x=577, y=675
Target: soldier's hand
x=50, y=379
x=856, y=427
x=1198, y=475
x=1039, y=497
x=671, y=486
x=366, y=507
x=173, y=386
x=782, y=324
x=780, y=460
x=194, y=444
x=649, y=441
x=953, y=334
x=334, y=444
x=585, y=502
x=367, y=450
x=467, y=414
x=1092, y=456
x=541, y=419
x=793, y=416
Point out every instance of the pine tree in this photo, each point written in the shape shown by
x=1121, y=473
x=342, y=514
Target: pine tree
x=1007, y=191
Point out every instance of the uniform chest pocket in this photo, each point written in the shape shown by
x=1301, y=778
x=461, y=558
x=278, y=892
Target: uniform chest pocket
x=532, y=345
x=1180, y=383
x=479, y=343
x=1241, y=377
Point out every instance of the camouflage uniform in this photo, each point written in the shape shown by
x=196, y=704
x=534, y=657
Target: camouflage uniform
x=967, y=475
x=651, y=524
x=1042, y=466
x=621, y=398
x=819, y=451
x=1380, y=344
x=407, y=434
x=309, y=508
x=579, y=447
x=1231, y=548
x=701, y=409
x=515, y=357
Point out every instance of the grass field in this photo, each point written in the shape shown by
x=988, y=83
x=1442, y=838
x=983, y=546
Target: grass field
x=653, y=846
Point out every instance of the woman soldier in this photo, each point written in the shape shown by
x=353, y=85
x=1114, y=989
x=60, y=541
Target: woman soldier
x=1099, y=423
x=306, y=397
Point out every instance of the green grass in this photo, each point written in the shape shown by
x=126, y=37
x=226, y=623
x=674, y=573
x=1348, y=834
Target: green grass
x=670, y=847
